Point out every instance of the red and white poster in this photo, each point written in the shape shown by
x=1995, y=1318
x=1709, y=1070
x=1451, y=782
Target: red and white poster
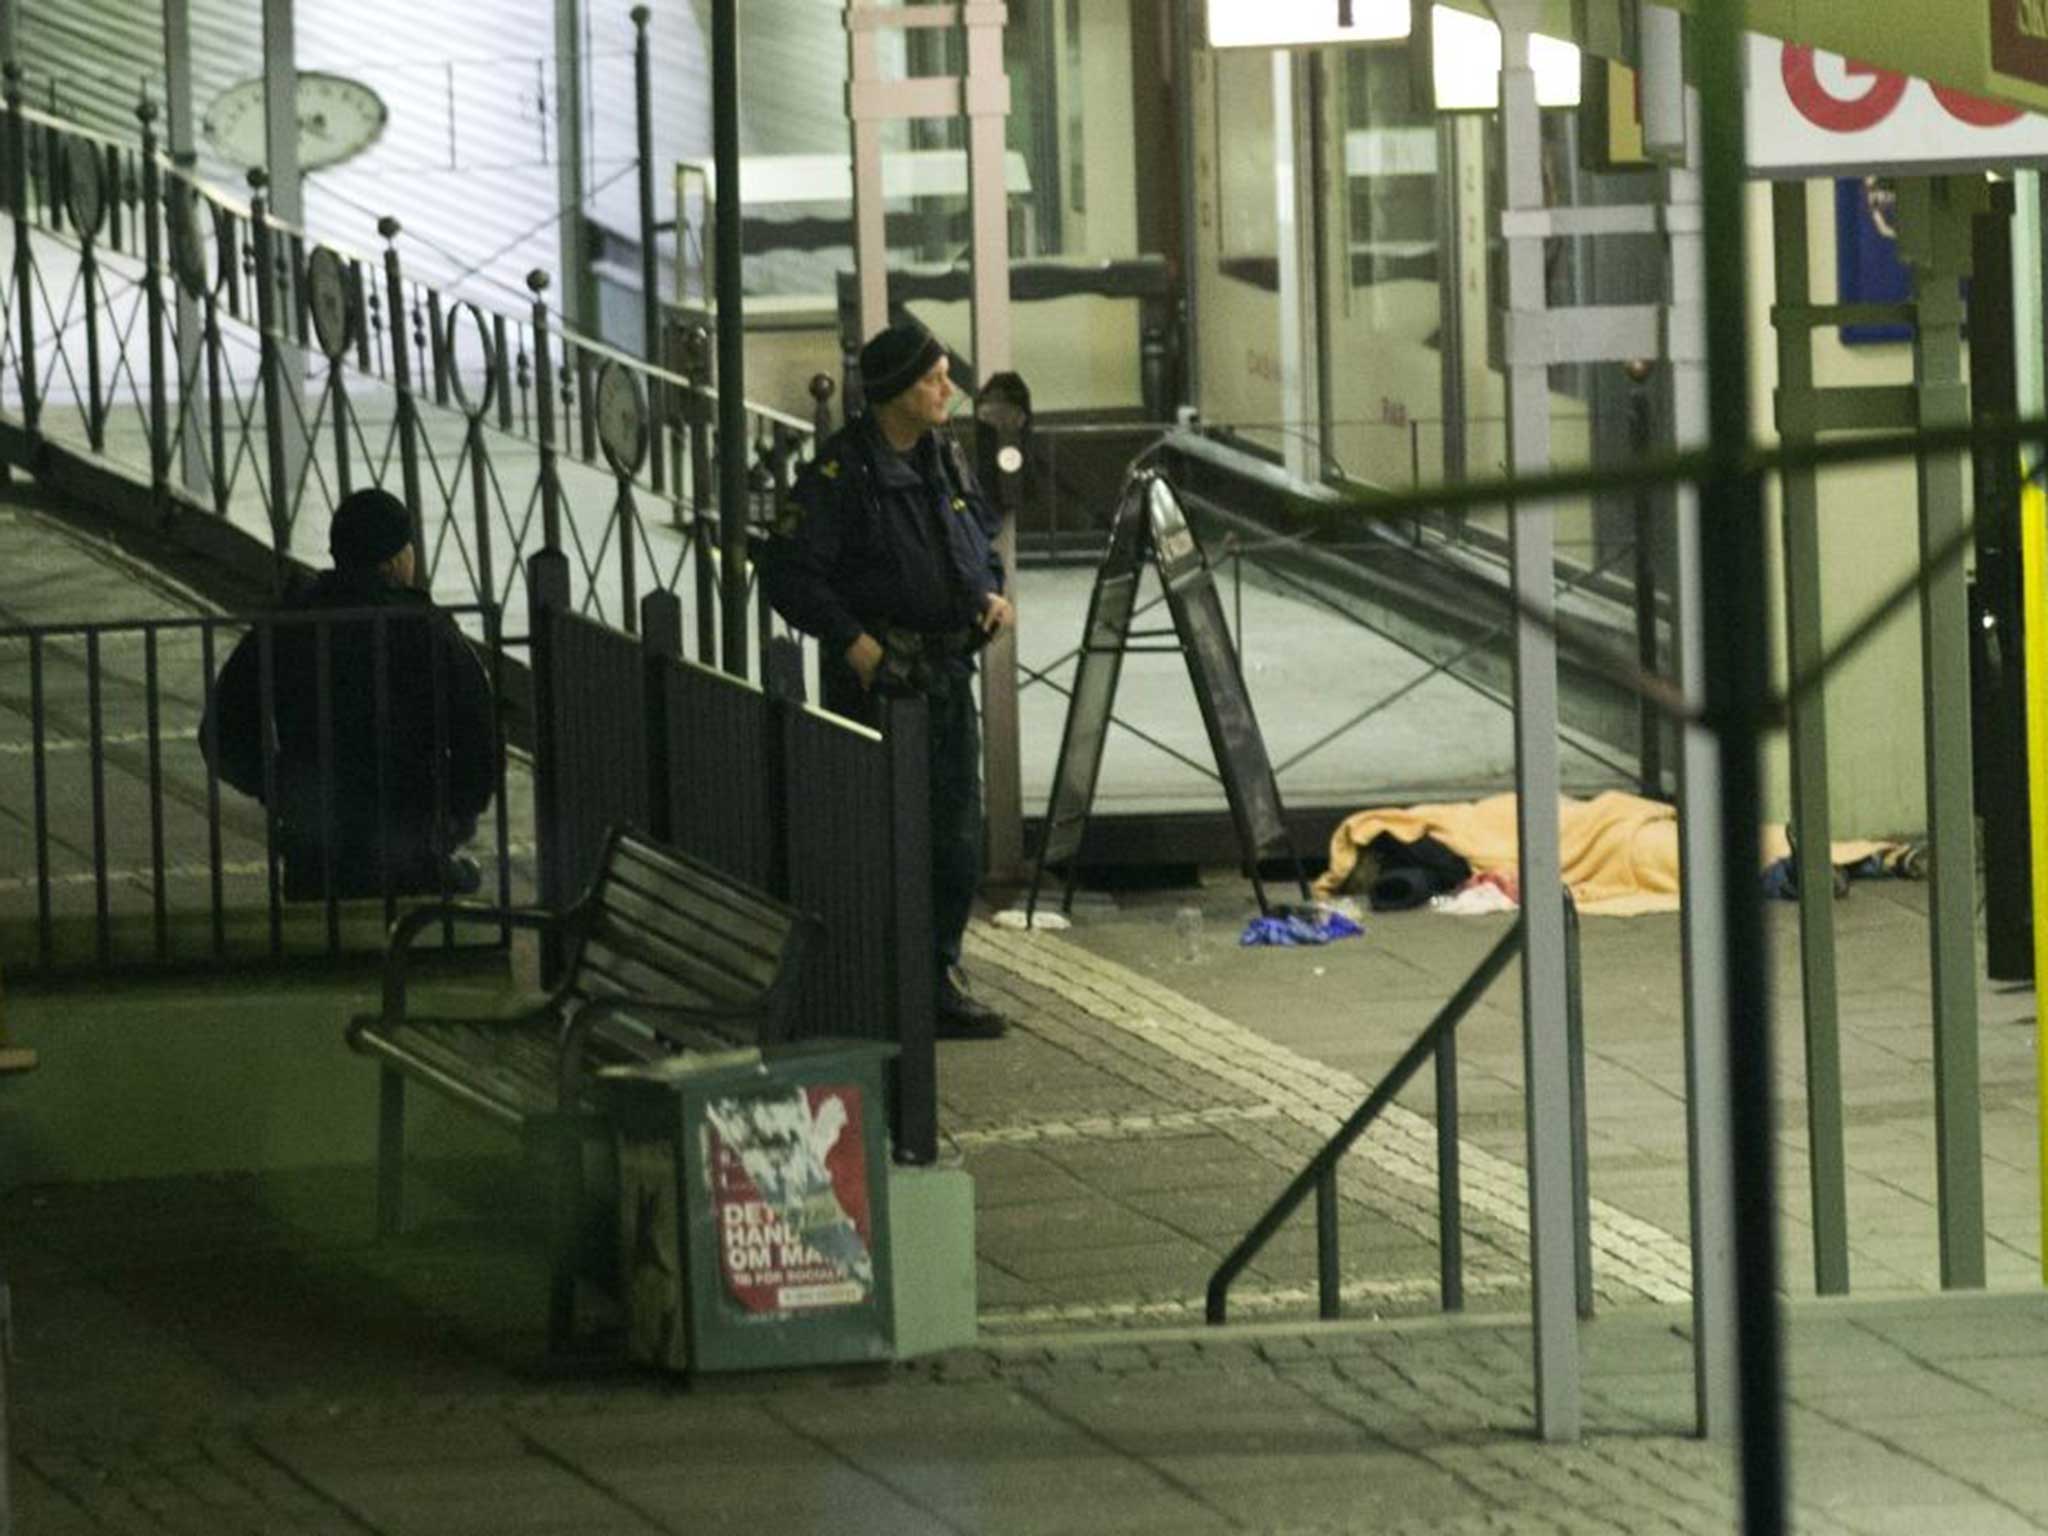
x=789, y=1193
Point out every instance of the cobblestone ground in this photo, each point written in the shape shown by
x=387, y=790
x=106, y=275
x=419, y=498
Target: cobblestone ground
x=1419, y=1429
x=1126, y=1137
x=232, y=1354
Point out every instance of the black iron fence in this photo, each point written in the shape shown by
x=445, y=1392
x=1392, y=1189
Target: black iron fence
x=1437, y=1043
x=238, y=375
x=122, y=846
x=827, y=814
x=238, y=367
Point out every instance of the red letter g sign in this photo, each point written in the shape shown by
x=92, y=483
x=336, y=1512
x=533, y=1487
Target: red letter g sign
x=1824, y=108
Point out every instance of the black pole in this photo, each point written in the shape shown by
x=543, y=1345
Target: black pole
x=1217, y=1299
x=1450, y=1196
x=544, y=415
x=732, y=401
x=1998, y=679
x=152, y=245
x=1649, y=719
x=650, y=281
x=1575, y=1057
x=1736, y=625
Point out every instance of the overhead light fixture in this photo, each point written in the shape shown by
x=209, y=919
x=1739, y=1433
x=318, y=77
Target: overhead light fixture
x=1306, y=23
x=1465, y=64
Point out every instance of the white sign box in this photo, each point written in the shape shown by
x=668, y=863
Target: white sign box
x=1465, y=58
x=1305, y=23
x=1817, y=114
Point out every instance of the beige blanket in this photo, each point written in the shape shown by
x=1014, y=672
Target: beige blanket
x=1619, y=851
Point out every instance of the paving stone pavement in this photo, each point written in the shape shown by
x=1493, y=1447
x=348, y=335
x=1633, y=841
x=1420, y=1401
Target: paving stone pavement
x=230, y=1353
x=220, y=1355
x=1188, y=1125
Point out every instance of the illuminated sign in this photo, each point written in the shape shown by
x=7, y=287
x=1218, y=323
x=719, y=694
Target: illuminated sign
x=1465, y=64
x=1305, y=23
x=1816, y=113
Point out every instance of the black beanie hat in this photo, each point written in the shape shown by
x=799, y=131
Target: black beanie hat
x=896, y=358
x=370, y=526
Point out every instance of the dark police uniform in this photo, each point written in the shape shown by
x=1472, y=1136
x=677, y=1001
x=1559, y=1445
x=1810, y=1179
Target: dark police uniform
x=900, y=547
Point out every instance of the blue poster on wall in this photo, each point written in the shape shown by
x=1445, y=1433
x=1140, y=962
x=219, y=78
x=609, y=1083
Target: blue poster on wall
x=1867, y=265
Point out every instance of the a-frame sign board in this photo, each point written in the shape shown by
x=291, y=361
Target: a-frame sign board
x=1151, y=525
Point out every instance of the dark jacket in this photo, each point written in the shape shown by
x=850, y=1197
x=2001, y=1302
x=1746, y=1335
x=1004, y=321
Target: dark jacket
x=420, y=645
x=883, y=540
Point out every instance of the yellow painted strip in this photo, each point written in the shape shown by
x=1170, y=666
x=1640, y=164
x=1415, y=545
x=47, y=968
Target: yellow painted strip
x=2033, y=589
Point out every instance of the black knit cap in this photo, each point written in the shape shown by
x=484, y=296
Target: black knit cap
x=370, y=526
x=896, y=358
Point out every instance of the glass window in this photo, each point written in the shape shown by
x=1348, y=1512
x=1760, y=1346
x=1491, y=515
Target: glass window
x=1379, y=308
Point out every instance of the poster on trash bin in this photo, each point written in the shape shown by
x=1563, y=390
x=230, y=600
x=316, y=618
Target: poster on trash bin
x=789, y=1193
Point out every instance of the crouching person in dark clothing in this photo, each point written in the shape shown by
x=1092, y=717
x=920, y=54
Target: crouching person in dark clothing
x=890, y=562
x=388, y=810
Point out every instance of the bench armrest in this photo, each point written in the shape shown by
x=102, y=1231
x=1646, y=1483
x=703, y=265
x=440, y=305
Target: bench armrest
x=418, y=919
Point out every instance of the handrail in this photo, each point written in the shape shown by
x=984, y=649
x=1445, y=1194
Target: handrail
x=227, y=299
x=241, y=207
x=1438, y=1039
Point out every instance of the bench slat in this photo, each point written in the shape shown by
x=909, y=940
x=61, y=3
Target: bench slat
x=723, y=908
x=689, y=954
x=746, y=949
x=493, y=1060
x=621, y=958
x=743, y=943
x=513, y=1066
x=644, y=860
x=667, y=881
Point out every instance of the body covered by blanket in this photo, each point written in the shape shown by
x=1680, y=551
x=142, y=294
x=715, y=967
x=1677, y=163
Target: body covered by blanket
x=1619, y=852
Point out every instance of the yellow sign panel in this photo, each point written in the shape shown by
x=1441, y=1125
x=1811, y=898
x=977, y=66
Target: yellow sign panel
x=1611, y=122
x=2034, y=642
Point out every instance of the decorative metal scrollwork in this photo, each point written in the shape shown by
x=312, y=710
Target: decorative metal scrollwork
x=621, y=419
x=327, y=298
x=473, y=409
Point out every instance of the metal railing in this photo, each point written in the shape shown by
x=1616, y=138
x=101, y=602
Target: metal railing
x=134, y=856
x=1416, y=581
x=136, y=331
x=243, y=369
x=829, y=815
x=1437, y=1042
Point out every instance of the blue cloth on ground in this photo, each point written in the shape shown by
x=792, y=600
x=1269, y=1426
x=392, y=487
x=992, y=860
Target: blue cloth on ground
x=1299, y=925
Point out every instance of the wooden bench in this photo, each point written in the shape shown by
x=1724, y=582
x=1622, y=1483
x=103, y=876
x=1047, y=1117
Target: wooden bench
x=662, y=953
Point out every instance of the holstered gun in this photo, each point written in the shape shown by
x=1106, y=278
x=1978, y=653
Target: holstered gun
x=912, y=660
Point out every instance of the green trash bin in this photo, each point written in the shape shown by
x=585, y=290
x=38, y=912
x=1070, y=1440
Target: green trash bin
x=754, y=1206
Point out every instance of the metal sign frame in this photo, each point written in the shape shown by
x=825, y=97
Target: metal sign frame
x=1150, y=524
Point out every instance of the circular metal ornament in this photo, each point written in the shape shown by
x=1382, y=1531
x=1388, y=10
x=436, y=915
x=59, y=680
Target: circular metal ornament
x=232, y=245
x=327, y=297
x=621, y=418
x=188, y=240
x=1009, y=458
x=84, y=186
x=473, y=409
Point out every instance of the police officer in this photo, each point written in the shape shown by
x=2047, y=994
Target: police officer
x=890, y=562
